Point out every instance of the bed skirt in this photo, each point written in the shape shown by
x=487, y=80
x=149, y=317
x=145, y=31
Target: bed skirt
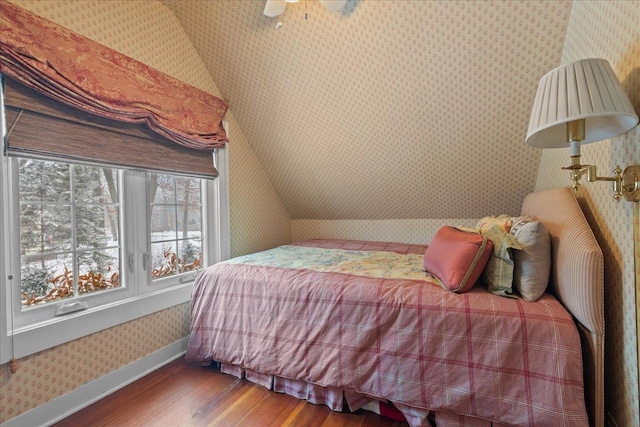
x=335, y=398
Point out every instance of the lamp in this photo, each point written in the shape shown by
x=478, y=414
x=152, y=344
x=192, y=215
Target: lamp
x=579, y=103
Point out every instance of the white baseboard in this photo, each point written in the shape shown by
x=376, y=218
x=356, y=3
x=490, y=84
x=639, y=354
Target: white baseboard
x=65, y=405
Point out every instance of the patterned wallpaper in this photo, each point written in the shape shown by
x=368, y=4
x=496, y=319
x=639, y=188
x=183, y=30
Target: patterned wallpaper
x=147, y=31
x=389, y=109
x=259, y=220
x=415, y=231
x=610, y=30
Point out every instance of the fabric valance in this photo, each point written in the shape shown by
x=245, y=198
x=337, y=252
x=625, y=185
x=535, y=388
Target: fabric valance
x=87, y=75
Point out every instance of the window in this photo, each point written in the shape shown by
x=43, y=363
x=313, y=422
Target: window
x=176, y=224
x=126, y=243
x=69, y=230
x=83, y=245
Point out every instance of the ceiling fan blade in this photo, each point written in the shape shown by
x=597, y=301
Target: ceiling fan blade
x=333, y=5
x=274, y=7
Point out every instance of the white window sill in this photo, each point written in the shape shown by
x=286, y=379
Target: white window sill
x=38, y=337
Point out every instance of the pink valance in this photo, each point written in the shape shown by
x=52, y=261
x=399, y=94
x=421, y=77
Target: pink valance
x=94, y=78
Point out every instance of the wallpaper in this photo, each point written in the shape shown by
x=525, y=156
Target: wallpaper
x=387, y=109
x=149, y=32
x=610, y=30
x=414, y=231
x=259, y=221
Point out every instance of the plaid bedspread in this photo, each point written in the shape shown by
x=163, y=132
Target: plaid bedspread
x=399, y=337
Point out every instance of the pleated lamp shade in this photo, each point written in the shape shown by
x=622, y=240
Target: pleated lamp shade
x=586, y=89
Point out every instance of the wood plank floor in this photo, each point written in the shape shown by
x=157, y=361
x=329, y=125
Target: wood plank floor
x=182, y=395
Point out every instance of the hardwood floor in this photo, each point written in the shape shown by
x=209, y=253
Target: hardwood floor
x=182, y=395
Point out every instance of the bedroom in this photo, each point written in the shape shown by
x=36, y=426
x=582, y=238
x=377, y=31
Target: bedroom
x=308, y=104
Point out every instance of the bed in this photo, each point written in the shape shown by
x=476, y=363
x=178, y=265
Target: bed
x=352, y=324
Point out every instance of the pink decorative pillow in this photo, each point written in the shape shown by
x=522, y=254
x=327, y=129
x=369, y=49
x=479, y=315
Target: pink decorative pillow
x=456, y=258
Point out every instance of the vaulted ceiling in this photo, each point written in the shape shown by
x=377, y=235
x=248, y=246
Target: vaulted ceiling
x=387, y=109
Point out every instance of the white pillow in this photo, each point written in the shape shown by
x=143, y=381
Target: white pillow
x=532, y=264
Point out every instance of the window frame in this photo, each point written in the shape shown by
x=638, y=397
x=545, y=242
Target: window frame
x=142, y=297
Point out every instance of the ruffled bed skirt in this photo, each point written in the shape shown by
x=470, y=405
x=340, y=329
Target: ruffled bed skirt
x=335, y=398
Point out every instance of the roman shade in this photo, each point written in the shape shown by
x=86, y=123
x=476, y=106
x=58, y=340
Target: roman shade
x=98, y=90
x=38, y=126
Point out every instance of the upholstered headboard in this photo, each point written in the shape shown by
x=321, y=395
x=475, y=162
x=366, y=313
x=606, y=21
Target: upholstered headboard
x=577, y=280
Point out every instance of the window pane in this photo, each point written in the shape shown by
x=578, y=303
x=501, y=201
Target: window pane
x=44, y=181
x=46, y=279
x=188, y=190
x=163, y=223
x=95, y=185
x=96, y=226
x=44, y=228
x=98, y=270
x=164, y=259
x=190, y=255
x=189, y=222
x=162, y=188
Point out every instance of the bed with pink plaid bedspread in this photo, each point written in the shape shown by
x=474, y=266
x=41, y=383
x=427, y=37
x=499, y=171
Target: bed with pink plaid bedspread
x=365, y=317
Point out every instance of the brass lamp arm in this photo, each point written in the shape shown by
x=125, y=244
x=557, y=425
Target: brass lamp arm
x=625, y=183
x=592, y=176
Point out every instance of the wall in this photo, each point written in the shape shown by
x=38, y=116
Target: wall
x=610, y=30
x=258, y=220
x=416, y=231
x=386, y=109
x=149, y=32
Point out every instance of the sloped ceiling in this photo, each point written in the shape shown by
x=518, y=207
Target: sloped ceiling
x=387, y=109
